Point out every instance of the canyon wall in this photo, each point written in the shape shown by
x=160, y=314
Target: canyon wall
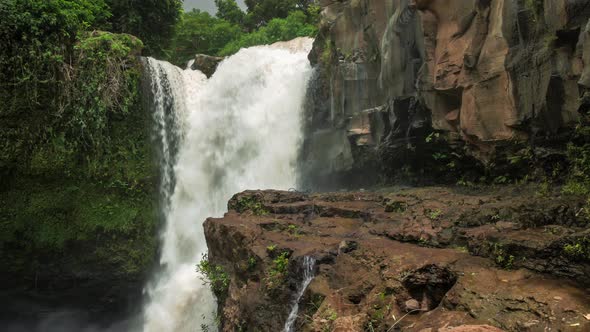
x=484, y=75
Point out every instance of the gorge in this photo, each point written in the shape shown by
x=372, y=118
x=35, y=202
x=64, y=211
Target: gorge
x=418, y=165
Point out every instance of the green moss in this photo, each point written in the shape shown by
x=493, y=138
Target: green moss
x=55, y=219
x=85, y=200
x=327, y=55
x=537, y=7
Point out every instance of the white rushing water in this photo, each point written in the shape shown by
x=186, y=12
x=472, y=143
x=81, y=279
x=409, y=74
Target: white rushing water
x=308, y=266
x=239, y=130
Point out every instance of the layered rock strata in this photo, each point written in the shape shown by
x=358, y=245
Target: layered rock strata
x=429, y=259
x=485, y=73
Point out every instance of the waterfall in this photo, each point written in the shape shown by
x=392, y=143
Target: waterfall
x=308, y=266
x=239, y=130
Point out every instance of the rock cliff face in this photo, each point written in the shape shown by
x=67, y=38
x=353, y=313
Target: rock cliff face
x=452, y=259
x=485, y=74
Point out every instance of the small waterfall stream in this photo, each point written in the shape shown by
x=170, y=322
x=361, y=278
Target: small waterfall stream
x=308, y=266
x=238, y=130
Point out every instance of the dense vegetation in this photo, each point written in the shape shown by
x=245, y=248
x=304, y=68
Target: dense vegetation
x=78, y=183
x=75, y=159
x=152, y=21
x=266, y=22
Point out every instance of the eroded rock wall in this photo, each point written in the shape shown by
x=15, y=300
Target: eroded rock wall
x=486, y=74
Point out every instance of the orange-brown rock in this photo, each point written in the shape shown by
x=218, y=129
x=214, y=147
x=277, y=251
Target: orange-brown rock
x=489, y=73
x=425, y=259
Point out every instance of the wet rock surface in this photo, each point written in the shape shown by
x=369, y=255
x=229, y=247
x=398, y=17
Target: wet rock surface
x=423, y=259
x=487, y=75
x=206, y=64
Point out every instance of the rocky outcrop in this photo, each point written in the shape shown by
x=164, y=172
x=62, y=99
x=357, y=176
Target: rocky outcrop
x=485, y=74
x=428, y=259
x=206, y=64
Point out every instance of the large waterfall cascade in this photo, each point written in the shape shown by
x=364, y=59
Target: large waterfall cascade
x=238, y=130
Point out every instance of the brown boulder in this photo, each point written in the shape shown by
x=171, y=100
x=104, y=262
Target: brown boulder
x=206, y=64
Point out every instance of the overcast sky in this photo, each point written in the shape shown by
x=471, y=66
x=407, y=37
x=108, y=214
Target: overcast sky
x=208, y=5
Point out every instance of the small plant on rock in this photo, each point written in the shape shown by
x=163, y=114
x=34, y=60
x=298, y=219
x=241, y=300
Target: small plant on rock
x=580, y=250
x=277, y=273
x=396, y=206
x=434, y=214
x=501, y=257
x=252, y=262
x=213, y=275
x=328, y=317
x=251, y=203
x=294, y=230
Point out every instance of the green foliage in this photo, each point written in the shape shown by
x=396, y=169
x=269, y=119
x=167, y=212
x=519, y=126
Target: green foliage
x=252, y=262
x=260, y=12
x=214, y=275
x=251, y=203
x=578, y=175
x=294, y=230
x=48, y=220
x=277, y=272
x=434, y=214
x=73, y=138
x=60, y=84
x=100, y=84
x=230, y=11
x=278, y=29
x=280, y=264
x=328, y=317
x=153, y=21
x=327, y=53
x=579, y=250
x=501, y=257
x=578, y=182
x=199, y=32
x=38, y=37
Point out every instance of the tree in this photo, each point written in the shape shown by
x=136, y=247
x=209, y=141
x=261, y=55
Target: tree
x=260, y=12
x=278, y=29
x=199, y=32
x=38, y=37
x=230, y=11
x=153, y=21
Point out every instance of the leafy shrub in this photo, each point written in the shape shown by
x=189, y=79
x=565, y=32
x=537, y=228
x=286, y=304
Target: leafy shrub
x=38, y=38
x=277, y=272
x=199, y=32
x=278, y=29
x=214, y=275
x=579, y=250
